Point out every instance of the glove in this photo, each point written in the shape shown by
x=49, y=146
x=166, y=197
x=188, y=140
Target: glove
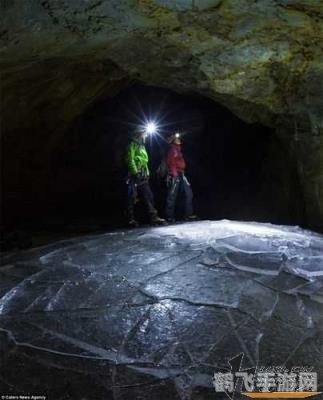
x=135, y=178
x=139, y=179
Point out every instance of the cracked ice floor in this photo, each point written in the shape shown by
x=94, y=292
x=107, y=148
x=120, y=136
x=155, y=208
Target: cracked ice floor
x=153, y=313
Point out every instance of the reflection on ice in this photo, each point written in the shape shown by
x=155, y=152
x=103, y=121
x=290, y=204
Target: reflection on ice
x=250, y=246
x=208, y=229
x=153, y=313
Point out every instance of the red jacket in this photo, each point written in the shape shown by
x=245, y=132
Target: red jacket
x=175, y=160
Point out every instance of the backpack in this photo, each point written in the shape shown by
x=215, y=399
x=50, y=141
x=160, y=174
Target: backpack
x=162, y=170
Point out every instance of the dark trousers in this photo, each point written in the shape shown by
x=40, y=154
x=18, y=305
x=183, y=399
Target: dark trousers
x=175, y=186
x=140, y=192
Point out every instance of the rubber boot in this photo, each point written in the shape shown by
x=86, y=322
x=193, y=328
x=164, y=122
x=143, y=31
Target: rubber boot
x=156, y=220
x=133, y=223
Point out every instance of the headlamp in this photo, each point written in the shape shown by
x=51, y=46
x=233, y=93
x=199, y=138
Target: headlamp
x=150, y=128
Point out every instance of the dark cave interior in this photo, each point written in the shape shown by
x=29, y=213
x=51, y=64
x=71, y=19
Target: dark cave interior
x=236, y=169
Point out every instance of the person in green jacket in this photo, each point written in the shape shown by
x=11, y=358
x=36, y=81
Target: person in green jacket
x=138, y=179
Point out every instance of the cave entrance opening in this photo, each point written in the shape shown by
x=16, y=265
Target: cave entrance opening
x=237, y=170
x=229, y=161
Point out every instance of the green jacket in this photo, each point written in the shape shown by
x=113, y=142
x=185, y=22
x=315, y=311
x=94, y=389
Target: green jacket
x=137, y=159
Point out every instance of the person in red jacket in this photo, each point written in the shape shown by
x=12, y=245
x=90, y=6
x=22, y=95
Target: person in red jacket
x=176, y=180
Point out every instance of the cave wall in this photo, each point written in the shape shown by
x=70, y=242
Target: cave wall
x=307, y=148
x=261, y=59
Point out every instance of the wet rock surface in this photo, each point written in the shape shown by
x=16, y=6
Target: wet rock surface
x=154, y=313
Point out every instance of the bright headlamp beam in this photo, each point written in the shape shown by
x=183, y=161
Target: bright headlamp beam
x=150, y=128
x=177, y=135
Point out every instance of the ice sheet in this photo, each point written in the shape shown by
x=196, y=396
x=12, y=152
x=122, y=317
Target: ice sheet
x=153, y=313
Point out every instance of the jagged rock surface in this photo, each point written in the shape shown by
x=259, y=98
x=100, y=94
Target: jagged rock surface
x=262, y=59
x=154, y=313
